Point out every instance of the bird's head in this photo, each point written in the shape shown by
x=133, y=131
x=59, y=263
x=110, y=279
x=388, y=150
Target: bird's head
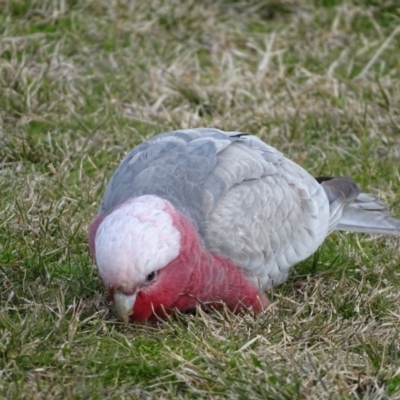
x=142, y=253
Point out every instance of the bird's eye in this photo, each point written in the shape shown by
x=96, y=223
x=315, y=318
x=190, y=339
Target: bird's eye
x=150, y=277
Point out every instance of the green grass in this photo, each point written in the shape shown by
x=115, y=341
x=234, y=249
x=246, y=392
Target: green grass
x=81, y=82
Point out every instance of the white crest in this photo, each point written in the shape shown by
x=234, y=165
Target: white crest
x=136, y=239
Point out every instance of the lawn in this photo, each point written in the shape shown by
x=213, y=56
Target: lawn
x=82, y=82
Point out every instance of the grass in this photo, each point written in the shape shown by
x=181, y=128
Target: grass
x=81, y=82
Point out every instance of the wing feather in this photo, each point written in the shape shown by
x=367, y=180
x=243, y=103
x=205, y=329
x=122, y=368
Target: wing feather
x=268, y=223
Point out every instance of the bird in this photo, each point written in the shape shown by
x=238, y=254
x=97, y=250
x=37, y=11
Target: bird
x=204, y=217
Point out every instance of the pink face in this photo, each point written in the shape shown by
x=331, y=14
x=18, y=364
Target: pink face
x=138, y=254
x=163, y=295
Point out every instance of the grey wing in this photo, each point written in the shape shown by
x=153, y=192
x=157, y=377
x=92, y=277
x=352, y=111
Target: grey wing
x=172, y=165
x=270, y=215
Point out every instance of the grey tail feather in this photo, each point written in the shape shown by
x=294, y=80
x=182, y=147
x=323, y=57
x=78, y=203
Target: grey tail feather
x=353, y=211
x=368, y=214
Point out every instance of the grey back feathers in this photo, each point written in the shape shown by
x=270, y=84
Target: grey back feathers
x=174, y=166
x=245, y=199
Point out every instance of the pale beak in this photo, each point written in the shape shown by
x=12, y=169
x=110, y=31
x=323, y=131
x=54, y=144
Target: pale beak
x=124, y=304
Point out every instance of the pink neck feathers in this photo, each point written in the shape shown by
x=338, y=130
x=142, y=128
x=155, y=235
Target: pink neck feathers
x=217, y=279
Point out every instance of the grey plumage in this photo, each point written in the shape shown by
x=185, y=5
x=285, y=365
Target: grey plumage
x=173, y=166
x=245, y=199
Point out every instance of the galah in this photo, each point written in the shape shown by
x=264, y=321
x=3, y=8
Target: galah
x=206, y=217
